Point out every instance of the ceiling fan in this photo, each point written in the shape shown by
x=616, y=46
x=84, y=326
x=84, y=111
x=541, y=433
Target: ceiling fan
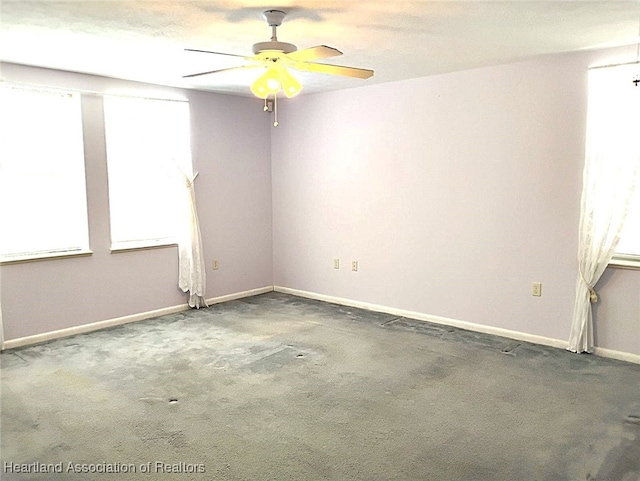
x=277, y=57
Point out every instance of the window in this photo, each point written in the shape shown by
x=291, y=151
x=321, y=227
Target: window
x=629, y=245
x=148, y=143
x=612, y=168
x=43, y=200
x=627, y=125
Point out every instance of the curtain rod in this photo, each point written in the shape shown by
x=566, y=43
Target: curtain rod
x=36, y=86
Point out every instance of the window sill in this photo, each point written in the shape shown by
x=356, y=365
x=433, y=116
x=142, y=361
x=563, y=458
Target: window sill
x=625, y=262
x=141, y=246
x=43, y=257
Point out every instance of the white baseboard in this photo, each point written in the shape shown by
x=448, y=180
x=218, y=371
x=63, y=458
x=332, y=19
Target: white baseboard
x=95, y=326
x=470, y=326
x=619, y=355
x=239, y=295
x=520, y=336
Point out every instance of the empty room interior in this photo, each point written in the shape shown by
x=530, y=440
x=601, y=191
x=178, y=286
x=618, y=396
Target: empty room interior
x=415, y=256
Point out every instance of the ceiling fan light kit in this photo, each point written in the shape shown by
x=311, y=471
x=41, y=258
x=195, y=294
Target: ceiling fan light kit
x=276, y=58
x=273, y=80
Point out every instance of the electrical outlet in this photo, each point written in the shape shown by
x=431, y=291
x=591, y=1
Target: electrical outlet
x=536, y=289
x=336, y=263
x=354, y=265
x=214, y=264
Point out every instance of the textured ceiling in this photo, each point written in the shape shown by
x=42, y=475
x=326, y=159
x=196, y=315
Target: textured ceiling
x=144, y=40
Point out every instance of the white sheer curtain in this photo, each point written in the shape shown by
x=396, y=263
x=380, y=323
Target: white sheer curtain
x=191, y=258
x=611, y=173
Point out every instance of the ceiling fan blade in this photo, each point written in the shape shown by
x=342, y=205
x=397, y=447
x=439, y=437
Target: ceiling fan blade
x=314, y=53
x=219, y=70
x=333, y=69
x=215, y=53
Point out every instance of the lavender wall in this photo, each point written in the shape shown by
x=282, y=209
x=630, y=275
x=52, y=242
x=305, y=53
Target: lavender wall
x=230, y=143
x=617, y=314
x=454, y=193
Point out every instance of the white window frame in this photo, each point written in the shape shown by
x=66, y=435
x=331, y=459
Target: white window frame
x=43, y=131
x=141, y=157
x=630, y=260
x=624, y=259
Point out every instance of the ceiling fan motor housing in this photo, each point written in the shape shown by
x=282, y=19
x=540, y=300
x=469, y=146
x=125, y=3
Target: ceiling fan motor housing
x=283, y=47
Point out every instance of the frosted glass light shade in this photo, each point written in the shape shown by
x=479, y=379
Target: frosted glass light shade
x=268, y=83
x=290, y=84
x=274, y=79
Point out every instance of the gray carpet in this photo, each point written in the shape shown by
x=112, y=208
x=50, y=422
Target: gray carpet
x=276, y=387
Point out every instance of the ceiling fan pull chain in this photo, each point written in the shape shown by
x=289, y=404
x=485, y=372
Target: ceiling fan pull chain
x=266, y=107
x=275, y=110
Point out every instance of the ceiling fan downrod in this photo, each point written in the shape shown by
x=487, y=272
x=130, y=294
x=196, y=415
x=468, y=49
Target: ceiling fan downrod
x=274, y=19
